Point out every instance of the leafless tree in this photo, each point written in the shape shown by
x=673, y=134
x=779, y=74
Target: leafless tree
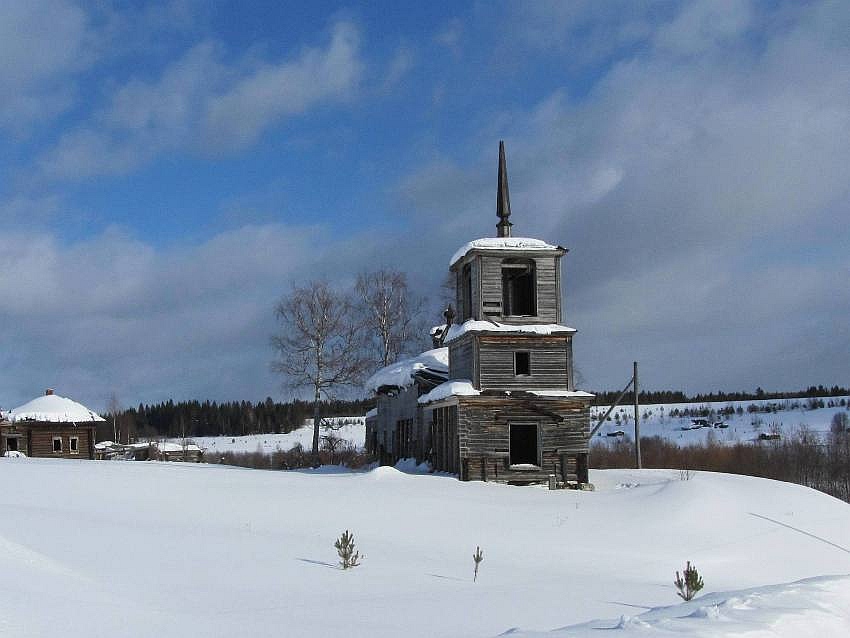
x=113, y=406
x=319, y=346
x=392, y=315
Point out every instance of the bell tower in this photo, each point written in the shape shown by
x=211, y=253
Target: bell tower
x=509, y=309
x=509, y=410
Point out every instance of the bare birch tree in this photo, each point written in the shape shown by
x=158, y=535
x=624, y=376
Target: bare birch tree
x=319, y=345
x=113, y=407
x=392, y=315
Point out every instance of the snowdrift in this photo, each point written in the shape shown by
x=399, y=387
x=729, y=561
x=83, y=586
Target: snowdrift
x=172, y=549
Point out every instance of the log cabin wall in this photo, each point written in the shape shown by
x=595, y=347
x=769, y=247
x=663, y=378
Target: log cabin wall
x=40, y=438
x=13, y=438
x=549, y=362
x=484, y=440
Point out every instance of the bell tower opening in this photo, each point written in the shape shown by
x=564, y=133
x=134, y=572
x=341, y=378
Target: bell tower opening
x=519, y=287
x=466, y=284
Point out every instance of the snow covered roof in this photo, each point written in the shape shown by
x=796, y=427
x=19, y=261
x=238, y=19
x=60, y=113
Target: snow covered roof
x=561, y=394
x=372, y=413
x=165, y=446
x=458, y=330
x=502, y=243
x=453, y=388
x=464, y=388
x=400, y=374
x=52, y=407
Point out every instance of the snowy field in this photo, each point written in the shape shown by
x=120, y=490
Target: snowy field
x=786, y=416
x=175, y=550
x=656, y=420
x=350, y=428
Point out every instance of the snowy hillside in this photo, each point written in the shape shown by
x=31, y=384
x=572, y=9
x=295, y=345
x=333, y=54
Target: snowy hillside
x=349, y=428
x=746, y=420
x=174, y=550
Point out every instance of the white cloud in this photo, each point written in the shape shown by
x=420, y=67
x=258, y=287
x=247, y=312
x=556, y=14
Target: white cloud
x=42, y=43
x=236, y=117
x=682, y=182
x=201, y=103
x=114, y=313
x=399, y=66
x=704, y=24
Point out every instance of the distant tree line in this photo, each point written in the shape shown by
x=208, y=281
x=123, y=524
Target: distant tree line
x=211, y=418
x=677, y=396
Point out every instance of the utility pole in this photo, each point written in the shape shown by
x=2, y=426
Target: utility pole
x=637, y=418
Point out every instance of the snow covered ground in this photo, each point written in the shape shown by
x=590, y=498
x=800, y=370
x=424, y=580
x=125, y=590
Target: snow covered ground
x=349, y=428
x=656, y=420
x=170, y=549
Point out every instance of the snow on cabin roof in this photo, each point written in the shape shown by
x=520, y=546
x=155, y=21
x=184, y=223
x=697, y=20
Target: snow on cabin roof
x=453, y=388
x=502, y=243
x=400, y=374
x=52, y=407
x=464, y=388
x=472, y=325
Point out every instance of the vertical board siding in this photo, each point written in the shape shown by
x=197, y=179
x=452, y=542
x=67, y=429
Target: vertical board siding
x=461, y=358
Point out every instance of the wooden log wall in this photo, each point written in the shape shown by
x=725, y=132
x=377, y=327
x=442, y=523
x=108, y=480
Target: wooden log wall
x=549, y=362
x=484, y=436
x=40, y=440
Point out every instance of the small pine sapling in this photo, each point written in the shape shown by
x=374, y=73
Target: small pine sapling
x=690, y=584
x=478, y=556
x=348, y=556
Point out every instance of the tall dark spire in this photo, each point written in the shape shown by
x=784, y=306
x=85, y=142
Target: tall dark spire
x=503, y=196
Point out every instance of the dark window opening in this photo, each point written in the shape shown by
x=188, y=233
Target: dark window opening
x=522, y=363
x=466, y=280
x=518, y=288
x=57, y=444
x=12, y=444
x=523, y=443
x=75, y=444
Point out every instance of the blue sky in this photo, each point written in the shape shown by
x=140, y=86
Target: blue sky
x=168, y=169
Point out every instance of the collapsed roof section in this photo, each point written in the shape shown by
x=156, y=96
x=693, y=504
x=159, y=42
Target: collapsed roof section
x=431, y=367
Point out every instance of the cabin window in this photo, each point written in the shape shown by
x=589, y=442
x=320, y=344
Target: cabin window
x=57, y=443
x=466, y=288
x=518, y=288
x=523, y=444
x=74, y=446
x=522, y=364
x=12, y=444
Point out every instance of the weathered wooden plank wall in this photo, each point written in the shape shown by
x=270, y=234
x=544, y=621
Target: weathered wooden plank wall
x=484, y=436
x=549, y=362
x=40, y=441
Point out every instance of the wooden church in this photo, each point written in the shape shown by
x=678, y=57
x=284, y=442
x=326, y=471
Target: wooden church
x=508, y=410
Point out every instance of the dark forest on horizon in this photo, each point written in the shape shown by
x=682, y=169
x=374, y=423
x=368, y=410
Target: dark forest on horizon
x=237, y=418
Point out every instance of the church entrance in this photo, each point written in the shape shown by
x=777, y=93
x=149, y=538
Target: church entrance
x=523, y=444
